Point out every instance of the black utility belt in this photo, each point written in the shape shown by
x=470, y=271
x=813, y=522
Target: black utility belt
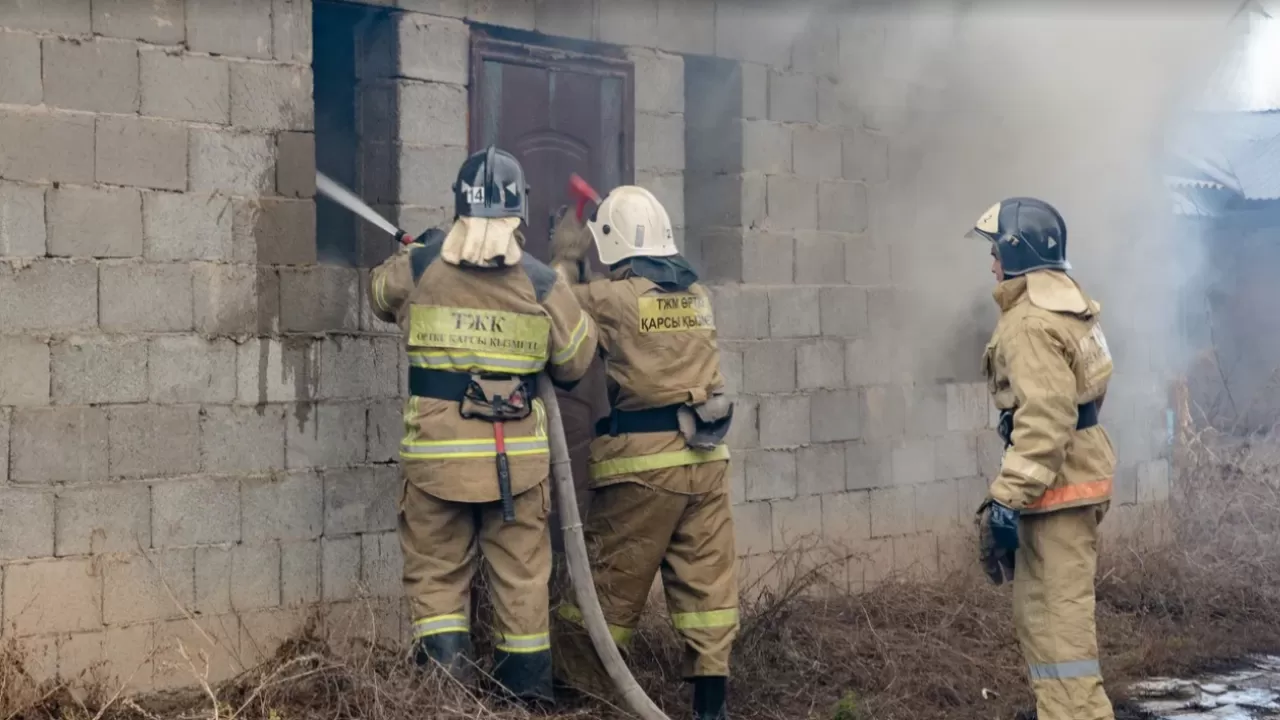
x=1086, y=415
x=451, y=385
x=650, y=420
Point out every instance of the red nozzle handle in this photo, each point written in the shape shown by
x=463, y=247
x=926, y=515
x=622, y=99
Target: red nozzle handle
x=405, y=238
x=583, y=191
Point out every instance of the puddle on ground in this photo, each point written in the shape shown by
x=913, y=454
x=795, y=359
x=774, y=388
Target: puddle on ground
x=1247, y=694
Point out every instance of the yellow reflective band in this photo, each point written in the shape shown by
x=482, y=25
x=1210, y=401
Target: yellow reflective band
x=440, y=624
x=462, y=449
x=675, y=312
x=380, y=292
x=479, y=330
x=466, y=361
x=523, y=644
x=1029, y=469
x=706, y=619
x=657, y=461
x=575, y=342
x=621, y=635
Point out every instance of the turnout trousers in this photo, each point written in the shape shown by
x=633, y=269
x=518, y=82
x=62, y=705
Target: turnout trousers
x=440, y=540
x=635, y=529
x=1053, y=611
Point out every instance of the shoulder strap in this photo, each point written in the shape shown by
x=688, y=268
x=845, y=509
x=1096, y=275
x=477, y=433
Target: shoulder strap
x=542, y=276
x=422, y=256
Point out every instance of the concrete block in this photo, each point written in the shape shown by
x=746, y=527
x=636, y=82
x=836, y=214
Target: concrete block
x=195, y=512
x=242, y=439
x=52, y=596
x=180, y=226
x=300, y=572
x=914, y=461
x=185, y=87
x=755, y=91
x=659, y=142
x=771, y=474
x=837, y=104
x=668, y=187
x=819, y=258
x=270, y=370
x=793, y=312
x=769, y=367
x=191, y=370
x=359, y=500
x=46, y=147
x=820, y=469
x=740, y=312
x=725, y=200
x=751, y=257
x=360, y=368
x=820, y=365
x=429, y=113
x=119, y=657
x=731, y=369
x=146, y=298
x=915, y=558
x=571, y=18
x=842, y=207
x=99, y=75
x=793, y=204
x=870, y=362
x=255, y=576
x=846, y=520
x=327, y=435
x=98, y=370
x=382, y=565
x=276, y=232
x=817, y=153
x=271, y=97
x=26, y=524
x=236, y=163
x=784, y=421
x=238, y=28
x=518, y=14
x=766, y=146
x=24, y=371
x=884, y=412
x=843, y=311
x=967, y=406
x=793, y=97
x=213, y=580
x=957, y=456
x=434, y=48
x=152, y=586
x=212, y=644
x=868, y=465
x=80, y=434
x=162, y=22
x=927, y=410
x=94, y=223
x=296, y=164
x=113, y=519
x=867, y=261
x=141, y=152
x=1153, y=482
x=340, y=568
x=937, y=506
x=892, y=511
x=687, y=28
x=319, y=299
x=797, y=522
x=865, y=156
x=444, y=8
x=154, y=441
x=754, y=32
x=22, y=220
x=263, y=632
x=234, y=299
x=744, y=432
x=752, y=528
x=990, y=454
x=291, y=30
x=836, y=416
x=817, y=49
x=69, y=17
x=659, y=81
x=285, y=507
x=5, y=424
x=20, y=79
x=633, y=23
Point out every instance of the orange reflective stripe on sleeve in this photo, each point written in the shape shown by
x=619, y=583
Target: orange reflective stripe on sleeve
x=1094, y=490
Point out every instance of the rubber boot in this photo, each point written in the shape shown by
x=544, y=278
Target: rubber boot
x=526, y=675
x=451, y=650
x=709, y=698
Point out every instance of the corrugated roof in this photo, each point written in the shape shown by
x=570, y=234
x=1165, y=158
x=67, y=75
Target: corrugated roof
x=1239, y=152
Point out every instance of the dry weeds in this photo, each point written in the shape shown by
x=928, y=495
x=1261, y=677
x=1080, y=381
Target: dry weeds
x=902, y=651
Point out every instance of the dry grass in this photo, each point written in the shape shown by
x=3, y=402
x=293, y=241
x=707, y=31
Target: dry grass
x=901, y=651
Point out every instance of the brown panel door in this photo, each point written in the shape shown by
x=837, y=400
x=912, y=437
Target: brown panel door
x=558, y=112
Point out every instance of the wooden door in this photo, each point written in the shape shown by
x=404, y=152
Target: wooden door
x=559, y=112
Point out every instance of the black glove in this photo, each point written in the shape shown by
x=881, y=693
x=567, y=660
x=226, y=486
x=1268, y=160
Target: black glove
x=1005, y=427
x=998, y=540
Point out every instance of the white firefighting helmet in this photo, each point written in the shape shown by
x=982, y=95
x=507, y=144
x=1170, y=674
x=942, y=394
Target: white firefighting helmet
x=630, y=222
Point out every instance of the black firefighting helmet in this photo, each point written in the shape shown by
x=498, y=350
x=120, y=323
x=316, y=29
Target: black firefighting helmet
x=1026, y=234
x=491, y=184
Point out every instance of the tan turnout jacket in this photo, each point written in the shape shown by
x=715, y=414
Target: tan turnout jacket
x=1048, y=356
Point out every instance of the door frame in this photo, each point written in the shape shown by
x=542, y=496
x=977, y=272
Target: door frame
x=484, y=47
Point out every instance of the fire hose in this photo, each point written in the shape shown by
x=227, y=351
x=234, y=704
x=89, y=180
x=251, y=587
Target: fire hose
x=584, y=588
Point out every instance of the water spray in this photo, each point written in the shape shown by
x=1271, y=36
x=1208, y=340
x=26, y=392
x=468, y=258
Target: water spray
x=348, y=200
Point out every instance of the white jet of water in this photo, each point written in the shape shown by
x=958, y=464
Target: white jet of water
x=348, y=200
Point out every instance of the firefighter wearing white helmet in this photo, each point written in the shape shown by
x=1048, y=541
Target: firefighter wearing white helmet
x=659, y=465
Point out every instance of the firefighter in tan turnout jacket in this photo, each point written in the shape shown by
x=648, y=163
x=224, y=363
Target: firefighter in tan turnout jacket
x=659, y=467
x=481, y=318
x=1047, y=366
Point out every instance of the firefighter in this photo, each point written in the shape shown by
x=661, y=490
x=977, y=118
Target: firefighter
x=1047, y=366
x=481, y=318
x=659, y=467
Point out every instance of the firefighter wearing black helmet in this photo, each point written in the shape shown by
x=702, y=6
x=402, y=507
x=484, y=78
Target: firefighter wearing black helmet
x=1047, y=366
x=481, y=319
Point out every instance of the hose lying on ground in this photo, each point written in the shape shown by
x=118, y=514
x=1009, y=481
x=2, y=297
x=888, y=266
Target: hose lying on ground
x=575, y=548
